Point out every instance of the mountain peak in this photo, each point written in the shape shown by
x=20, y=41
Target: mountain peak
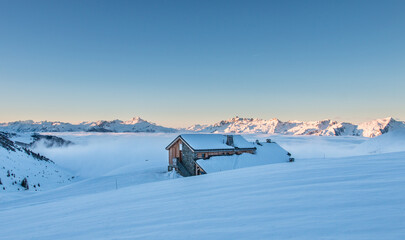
x=238, y=119
x=390, y=119
x=135, y=120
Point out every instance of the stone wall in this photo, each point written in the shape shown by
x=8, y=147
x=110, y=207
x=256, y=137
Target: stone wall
x=188, y=159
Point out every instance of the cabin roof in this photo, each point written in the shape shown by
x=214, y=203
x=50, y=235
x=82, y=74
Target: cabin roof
x=213, y=142
x=266, y=153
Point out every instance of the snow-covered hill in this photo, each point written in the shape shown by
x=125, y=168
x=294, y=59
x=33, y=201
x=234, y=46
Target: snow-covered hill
x=134, y=125
x=123, y=191
x=393, y=141
x=321, y=128
x=342, y=198
x=19, y=164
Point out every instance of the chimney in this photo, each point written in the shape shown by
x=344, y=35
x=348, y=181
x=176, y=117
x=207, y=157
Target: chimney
x=229, y=140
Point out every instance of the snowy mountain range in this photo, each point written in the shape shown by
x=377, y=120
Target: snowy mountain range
x=321, y=128
x=234, y=125
x=136, y=124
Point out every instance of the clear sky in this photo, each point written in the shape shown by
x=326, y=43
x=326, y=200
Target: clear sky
x=177, y=63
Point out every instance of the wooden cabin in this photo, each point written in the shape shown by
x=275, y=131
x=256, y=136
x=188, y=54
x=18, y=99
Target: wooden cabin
x=186, y=149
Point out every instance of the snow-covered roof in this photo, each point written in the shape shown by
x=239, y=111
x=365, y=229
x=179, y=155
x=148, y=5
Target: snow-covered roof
x=199, y=142
x=267, y=153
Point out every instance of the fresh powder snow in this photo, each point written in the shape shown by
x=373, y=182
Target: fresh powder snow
x=123, y=191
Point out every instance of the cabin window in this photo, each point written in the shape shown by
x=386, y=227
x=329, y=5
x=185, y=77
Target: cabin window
x=180, y=146
x=203, y=155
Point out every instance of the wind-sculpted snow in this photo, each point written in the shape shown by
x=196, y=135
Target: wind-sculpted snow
x=320, y=128
x=124, y=192
x=345, y=198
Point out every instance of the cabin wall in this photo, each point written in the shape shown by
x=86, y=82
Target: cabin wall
x=188, y=159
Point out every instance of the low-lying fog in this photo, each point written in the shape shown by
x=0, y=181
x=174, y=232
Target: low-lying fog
x=98, y=154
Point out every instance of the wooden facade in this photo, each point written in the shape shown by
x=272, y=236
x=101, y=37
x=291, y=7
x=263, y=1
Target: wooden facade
x=183, y=156
x=175, y=152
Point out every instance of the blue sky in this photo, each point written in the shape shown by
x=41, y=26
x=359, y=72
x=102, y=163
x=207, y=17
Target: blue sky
x=178, y=63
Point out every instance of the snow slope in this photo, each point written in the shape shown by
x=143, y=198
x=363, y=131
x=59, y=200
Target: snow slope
x=320, y=128
x=17, y=163
x=345, y=198
x=134, y=125
x=393, y=141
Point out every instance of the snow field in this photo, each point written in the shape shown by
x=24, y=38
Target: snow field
x=345, y=198
x=325, y=194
